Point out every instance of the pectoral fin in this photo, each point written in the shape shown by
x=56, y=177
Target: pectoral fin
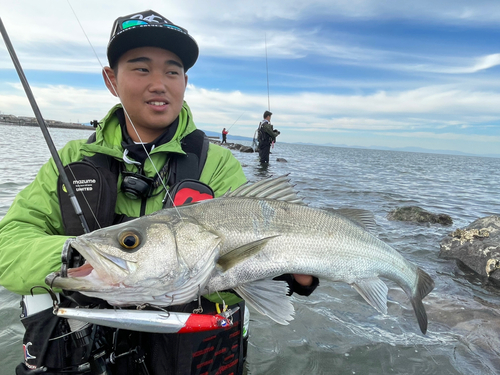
x=374, y=291
x=269, y=297
x=242, y=253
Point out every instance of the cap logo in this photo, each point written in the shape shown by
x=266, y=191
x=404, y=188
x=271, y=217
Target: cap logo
x=150, y=18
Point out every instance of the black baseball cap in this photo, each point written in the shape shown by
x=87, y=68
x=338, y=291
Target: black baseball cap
x=150, y=29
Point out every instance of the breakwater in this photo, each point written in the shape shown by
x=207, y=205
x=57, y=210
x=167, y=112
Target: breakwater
x=31, y=121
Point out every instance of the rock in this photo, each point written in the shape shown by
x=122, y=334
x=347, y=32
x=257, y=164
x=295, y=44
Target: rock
x=282, y=160
x=232, y=146
x=247, y=149
x=419, y=215
x=477, y=246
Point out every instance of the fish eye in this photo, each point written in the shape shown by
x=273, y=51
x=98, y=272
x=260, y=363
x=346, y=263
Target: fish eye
x=129, y=240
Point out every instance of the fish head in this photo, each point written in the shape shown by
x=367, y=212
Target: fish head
x=146, y=257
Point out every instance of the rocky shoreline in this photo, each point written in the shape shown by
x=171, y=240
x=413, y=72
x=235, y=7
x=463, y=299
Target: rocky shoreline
x=477, y=246
x=231, y=146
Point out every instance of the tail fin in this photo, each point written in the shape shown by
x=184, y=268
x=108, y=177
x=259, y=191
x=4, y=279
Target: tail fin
x=424, y=286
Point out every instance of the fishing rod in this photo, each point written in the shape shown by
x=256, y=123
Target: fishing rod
x=267, y=74
x=254, y=141
x=44, y=129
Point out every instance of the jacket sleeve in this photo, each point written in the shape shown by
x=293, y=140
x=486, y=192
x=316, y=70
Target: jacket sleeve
x=269, y=130
x=31, y=234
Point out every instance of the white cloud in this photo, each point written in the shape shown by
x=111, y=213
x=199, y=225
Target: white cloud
x=487, y=62
x=316, y=117
x=62, y=103
x=438, y=108
x=56, y=41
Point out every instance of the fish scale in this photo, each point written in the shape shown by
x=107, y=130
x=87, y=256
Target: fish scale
x=308, y=240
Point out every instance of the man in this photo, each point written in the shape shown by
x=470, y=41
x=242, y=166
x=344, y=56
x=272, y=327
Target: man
x=266, y=136
x=138, y=150
x=224, y=135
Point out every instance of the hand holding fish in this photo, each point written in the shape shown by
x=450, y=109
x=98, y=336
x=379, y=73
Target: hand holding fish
x=304, y=280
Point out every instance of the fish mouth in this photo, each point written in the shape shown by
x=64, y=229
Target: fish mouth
x=100, y=271
x=81, y=271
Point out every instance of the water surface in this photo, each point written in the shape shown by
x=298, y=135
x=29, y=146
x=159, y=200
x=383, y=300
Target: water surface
x=335, y=331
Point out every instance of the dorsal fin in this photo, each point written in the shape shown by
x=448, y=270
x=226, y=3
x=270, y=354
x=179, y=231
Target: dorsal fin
x=277, y=188
x=363, y=218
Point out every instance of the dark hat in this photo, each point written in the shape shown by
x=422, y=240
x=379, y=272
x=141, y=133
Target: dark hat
x=150, y=29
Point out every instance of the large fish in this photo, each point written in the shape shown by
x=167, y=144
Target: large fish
x=241, y=241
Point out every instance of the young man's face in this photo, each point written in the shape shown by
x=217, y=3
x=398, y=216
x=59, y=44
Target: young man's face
x=150, y=83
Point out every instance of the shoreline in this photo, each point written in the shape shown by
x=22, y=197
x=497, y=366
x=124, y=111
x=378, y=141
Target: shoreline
x=61, y=125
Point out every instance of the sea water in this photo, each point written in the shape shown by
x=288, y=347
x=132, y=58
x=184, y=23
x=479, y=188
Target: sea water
x=335, y=331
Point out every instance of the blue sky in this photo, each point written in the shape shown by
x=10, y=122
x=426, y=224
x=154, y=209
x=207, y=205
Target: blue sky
x=357, y=73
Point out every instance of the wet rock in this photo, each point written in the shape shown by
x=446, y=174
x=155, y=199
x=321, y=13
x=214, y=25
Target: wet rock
x=283, y=160
x=477, y=246
x=232, y=146
x=246, y=149
x=419, y=215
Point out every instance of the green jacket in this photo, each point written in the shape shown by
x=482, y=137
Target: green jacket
x=32, y=233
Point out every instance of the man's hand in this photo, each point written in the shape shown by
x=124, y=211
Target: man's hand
x=304, y=280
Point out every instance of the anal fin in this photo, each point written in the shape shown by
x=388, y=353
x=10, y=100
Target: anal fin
x=374, y=291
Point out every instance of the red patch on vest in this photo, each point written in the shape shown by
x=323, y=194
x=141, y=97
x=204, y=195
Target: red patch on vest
x=188, y=195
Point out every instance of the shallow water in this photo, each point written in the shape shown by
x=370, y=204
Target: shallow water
x=334, y=330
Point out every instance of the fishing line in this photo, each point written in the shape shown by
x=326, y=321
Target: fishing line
x=235, y=121
x=126, y=113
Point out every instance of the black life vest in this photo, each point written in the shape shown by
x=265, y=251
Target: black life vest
x=95, y=180
x=263, y=138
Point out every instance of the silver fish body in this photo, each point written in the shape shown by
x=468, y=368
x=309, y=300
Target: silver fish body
x=241, y=241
